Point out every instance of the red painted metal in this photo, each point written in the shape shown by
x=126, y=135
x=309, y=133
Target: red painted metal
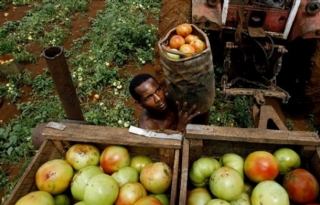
x=305, y=25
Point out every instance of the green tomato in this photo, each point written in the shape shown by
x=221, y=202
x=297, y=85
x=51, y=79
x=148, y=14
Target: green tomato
x=226, y=183
x=217, y=202
x=243, y=199
x=288, y=159
x=202, y=169
x=233, y=160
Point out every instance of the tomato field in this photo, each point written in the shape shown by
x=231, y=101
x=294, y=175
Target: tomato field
x=106, y=43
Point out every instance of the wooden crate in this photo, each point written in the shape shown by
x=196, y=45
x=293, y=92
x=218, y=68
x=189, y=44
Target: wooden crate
x=57, y=143
x=215, y=141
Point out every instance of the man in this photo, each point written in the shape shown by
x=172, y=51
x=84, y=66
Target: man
x=159, y=112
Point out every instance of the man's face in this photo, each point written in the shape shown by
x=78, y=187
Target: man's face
x=152, y=96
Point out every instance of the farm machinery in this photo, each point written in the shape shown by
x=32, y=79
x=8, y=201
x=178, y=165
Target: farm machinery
x=254, y=33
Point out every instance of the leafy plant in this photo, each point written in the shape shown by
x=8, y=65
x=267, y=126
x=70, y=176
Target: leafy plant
x=232, y=112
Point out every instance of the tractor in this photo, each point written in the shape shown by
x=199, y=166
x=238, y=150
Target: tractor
x=254, y=35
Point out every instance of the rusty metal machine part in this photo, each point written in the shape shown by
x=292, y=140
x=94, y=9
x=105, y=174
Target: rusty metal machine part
x=60, y=73
x=268, y=89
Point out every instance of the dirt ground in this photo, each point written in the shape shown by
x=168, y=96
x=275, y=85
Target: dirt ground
x=303, y=73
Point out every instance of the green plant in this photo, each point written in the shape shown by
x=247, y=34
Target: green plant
x=231, y=112
x=289, y=124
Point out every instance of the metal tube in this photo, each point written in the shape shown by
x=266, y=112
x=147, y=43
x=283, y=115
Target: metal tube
x=60, y=73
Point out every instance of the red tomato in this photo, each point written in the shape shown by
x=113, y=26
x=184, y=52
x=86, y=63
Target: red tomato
x=301, y=186
x=260, y=166
x=176, y=41
x=184, y=29
x=114, y=158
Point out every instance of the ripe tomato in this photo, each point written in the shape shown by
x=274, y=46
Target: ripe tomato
x=190, y=38
x=198, y=45
x=156, y=177
x=176, y=41
x=260, y=166
x=184, y=29
x=187, y=49
x=301, y=186
x=114, y=158
x=130, y=193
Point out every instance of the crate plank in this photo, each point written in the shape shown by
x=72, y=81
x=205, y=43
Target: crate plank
x=253, y=135
x=102, y=134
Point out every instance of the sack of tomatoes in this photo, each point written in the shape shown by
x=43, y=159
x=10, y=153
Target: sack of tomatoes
x=184, y=42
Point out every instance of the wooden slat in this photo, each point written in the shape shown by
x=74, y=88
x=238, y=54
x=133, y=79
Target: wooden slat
x=184, y=172
x=252, y=135
x=111, y=135
x=175, y=178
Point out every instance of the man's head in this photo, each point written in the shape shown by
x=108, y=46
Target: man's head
x=147, y=92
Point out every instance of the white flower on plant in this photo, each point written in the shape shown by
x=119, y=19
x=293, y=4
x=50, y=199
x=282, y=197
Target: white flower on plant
x=126, y=124
x=119, y=86
x=107, y=63
x=80, y=79
x=8, y=84
x=80, y=69
x=101, y=104
x=149, y=31
x=116, y=92
x=114, y=83
x=120, y=122
x=30, y=38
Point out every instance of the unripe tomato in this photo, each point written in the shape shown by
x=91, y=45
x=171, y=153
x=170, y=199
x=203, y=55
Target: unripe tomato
x=269, y=193
x=202, y=169
x=198, y=196
x=288, y=159
x=260, y=166
x=226, y=183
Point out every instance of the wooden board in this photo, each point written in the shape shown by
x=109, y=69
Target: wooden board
x=57, y=143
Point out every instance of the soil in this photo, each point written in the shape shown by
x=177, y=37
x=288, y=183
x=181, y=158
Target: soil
x=301, y=73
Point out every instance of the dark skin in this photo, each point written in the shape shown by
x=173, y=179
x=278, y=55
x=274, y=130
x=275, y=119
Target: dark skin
x=159, y=113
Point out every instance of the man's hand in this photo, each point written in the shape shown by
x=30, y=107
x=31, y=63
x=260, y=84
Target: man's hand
x=185, y=115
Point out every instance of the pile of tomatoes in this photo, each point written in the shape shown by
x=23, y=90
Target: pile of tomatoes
x=261, y=178
x=89, y=176
x=185, y=42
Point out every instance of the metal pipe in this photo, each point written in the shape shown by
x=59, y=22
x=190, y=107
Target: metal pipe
x=60, y=73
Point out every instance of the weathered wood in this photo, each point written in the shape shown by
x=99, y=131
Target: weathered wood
x=184, y=172
x=175, y=178
x=26, y=183
x=111, y=135
x=252, y=135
